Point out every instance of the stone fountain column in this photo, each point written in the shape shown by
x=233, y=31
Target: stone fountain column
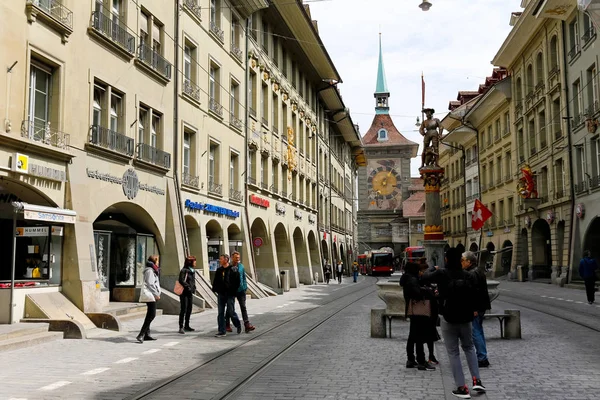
x=434, y=242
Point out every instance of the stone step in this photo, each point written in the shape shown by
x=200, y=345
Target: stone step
x=126, y=309
x=135, y=315
x=29, y=329
x=28, y=340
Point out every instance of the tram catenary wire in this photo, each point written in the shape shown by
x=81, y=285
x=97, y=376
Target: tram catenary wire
x=239, y=384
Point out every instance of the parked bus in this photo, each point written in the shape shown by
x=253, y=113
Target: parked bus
x=362, y=264
x=379, y=261
x=413, y=254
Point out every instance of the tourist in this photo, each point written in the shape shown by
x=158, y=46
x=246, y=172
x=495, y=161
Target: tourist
x=340, y=267
x=587, y=271
x=150, y=294
x=226, y=284
x=434, y=318
x=241, y=293
x=355, y=271
x=327, y=272
x=457, y=291
x=482, y=304
x=187, y=279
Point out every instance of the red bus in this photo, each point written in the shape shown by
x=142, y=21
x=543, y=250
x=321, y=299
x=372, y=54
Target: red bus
x=379, y=261
x=362, y=264
x=413, y=254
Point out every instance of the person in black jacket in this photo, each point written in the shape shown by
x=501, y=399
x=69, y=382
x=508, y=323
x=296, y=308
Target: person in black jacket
x=226, y=284
x=434, y=336
x=419, y=331
x=587, y=271
x=187, y=278
x=482, y=304
x=457, y=293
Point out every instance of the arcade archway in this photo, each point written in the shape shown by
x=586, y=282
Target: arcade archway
x=523, y=249
x=302, y=257
x=506, y=257
x=591, y=240
x=195, y=241
x=313, y=250
x=264, y=262
x=541, y=249
x=473, y=247
x=284, y=253
x=325, y=252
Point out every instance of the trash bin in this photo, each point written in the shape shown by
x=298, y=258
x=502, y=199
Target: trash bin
x=285, y=281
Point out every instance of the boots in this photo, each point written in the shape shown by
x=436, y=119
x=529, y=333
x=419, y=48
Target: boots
x=188, y=328
x=181, y=330
x=140, y=337
x=147, y=336
x=248, y=327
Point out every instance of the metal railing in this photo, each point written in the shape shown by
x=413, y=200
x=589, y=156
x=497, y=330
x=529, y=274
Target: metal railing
x=574, y=51
x=283, y=193
x=151, y=58
x=235, y=121
x=56, y=10
x=190, y=180
x=264, y=185
x=237, y=52
x=580, y=187
x=252, y=112
x=217, y=31
x=114, y=31
x=111, y=140
x=588, y=35
x=251, y=180
x=215, y=188
x=191, y=89
x=41, y=132
x=236, y=195
x=152, y=155
x=194, y=7
x=595, y=181
x=215, y=107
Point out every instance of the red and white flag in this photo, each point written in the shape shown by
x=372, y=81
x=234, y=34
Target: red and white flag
x=480, y=215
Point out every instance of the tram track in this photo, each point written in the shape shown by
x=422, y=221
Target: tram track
x=268, y=346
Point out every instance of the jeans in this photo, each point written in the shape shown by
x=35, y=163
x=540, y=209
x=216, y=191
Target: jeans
x=339, y=277
x=410, y=355
x=150, y=314
x=590, y=288
x=185, y=301
x=241, y=298
x=229, y=302
x=479, y=337
x=355, y=275
x=452, y=333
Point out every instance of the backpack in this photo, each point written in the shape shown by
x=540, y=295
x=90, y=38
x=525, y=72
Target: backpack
x=459, y=300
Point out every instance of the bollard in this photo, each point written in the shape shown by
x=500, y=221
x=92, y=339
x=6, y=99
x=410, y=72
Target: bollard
x=512, y=324
x=378, y=323
x=316, y=278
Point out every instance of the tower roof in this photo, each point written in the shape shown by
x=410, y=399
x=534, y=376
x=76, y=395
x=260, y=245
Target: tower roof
x=381, y=82
x=394, y=137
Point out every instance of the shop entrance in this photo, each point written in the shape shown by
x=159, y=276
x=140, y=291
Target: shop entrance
x=124, y=237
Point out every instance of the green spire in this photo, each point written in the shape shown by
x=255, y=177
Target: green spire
x=381, y=91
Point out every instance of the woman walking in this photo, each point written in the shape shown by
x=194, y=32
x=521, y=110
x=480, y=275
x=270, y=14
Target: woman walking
x=418, y=310
x=149, y=295
x=187, y=279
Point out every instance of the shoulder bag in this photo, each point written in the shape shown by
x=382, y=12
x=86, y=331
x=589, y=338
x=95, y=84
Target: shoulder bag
x=419, y=308
x=178, y=289
x=146, y=296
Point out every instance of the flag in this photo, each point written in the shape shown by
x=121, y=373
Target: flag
x=480, y=215
x=422, y=90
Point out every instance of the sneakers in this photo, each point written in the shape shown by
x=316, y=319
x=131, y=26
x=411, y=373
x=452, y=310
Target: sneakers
x=484, y=364
x=228, y=328
x=140, y=338
x=181, y=331
x=248, y=327
x=189, y=329
x=462, y=392
x=477, y=386
x=221, y=334
x=433, y=360
x=148, y=337
x=411, y=364
x=425, y=367
x=239, y=329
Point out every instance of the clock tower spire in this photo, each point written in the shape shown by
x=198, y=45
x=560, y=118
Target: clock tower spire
x=382, y=93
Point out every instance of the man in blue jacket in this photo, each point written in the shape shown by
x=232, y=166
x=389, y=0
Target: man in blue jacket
x=241, y=293
x=587, y=271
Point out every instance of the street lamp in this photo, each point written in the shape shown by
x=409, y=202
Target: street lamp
x=425, y=5
x=418, y=123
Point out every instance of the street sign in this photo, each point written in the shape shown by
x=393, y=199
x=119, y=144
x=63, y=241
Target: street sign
x=257, y=242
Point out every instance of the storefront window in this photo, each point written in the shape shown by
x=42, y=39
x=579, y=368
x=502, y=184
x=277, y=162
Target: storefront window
x=145, y=248
x=102, y=242
x=38, y=255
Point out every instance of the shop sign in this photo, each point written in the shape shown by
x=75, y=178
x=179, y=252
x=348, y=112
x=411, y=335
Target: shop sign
x=550, y=217
x=297, y=214
x=129, y=181
x=130, y=184
x=259, y=201
x=21, y=163
x=33, y=231
x=48, y=216
x=311, y=219
x=279, y=208
x=192, y=205
x=490, y=233
x=47, y=173
x=580, y=210
x=257, y=242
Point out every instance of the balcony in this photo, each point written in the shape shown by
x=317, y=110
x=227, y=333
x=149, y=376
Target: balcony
x=215, y=107
x=154, y=62
x=559, y=194
x=251, y=181
x=589, y=35
x=114, y=32
x=236, y=195
x=252, y=112
x=574, y=52
x=264, y=121
x=215, y=188
x=42, y=133
x=595, y=182
x=154, y=156
x=194, y=8
x=111, y=140
x=580, y=187
x=191, y=89
x=53, y=13
x=217, y=32
x=283, y=194
x=190, y=180
x=235, y=122
x=540, y=87
x=264, y=185
x=237, y=52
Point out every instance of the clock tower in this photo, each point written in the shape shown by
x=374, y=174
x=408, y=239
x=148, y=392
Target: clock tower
x=383, y=184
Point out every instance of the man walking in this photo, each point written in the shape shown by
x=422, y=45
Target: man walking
x=355, y=271
x=587, y=271
x=482, y=304
x=226, y=284
x=339, y=271
x=241, y=293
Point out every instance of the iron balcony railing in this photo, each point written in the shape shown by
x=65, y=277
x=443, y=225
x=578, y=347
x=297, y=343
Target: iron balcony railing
x=41, y=132
x=236, y=195
x=111, y=140
x=235, y=121
x=152, y=155
x=580, y=187
x=264, y=185
x=151, y=58
x=113, y=30
x=194, y=7
x=215, y=188
x=215, y=107
x=191, y=89
x=574, y=51
x=190, y=180
x=595, y=181
x=589, y=35
x=237, y=52
x=283, y=193
x=217, y=31
x=56, y=10
x=251, y=180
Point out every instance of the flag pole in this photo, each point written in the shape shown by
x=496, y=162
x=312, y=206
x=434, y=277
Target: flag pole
x=422, y=96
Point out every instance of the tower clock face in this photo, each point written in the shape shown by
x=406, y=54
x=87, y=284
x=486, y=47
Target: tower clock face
x=385, y=182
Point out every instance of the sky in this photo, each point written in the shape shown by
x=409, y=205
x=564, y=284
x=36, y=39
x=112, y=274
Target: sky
x=452, y=44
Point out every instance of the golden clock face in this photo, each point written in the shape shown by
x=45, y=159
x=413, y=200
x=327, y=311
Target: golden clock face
x=385, y=182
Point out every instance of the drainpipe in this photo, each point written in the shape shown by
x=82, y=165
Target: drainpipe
x=469, y=125
x=569, y=144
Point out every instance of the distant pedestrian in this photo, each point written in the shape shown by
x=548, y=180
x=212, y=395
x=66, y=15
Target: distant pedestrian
x=355, y=271
x=457, y=291
x=482, y=304
x=418, y=309
x=339, y=271
x=587, y=270
x=150, y=294
x=434, y=336
x=187, y=279
x=327, y=272
x=241, y=293
x=226, y=284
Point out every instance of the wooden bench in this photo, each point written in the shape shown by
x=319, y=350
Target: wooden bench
x=509, y=319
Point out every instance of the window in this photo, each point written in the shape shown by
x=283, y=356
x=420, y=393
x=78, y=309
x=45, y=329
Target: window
x=215, y=12
x=98, y=105
x=554, y=53
x=501, y=212
x=577, y=102
x=531, y=132
x=507, y=165
x=144, y=28
x=155, y=131
x=491, y=169
x=490, y=138
x=253, y=25
x=497, y=131
x=275, y=176
x=252, y=166
x=264, y=104
x=265, y=37
x=233, y=171
x=235, y=33
x=142, y=124
x=187, y=63
x=542, y=130
x=40, y=82
x=559, y=178
x=543, y=184
x=580, y=163
x=187, y=153
x=264, y=171
x=284, y=62
x=499, y=169
x=234, y=107
x=521, y=144
x=530, y=82
x=556, y=119
x=382, y=135
x=116, y=112
x=592, y=90
x=510, y=210
x=294, y=77
x=574, y=36
x=275, y=114
x=213, y=177
x=252, y=93
x=519, y=89
x=214, y=88
x=284, y=117
x=276, y=51
x=506, y=123
x=539, y=69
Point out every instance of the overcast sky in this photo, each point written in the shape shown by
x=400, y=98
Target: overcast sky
x=452, y=44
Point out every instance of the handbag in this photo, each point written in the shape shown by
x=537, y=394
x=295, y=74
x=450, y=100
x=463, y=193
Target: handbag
x=178, y=289
x=146, y=296
x=419, y=308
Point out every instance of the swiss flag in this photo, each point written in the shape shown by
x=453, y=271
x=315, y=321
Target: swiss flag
x=480, y=215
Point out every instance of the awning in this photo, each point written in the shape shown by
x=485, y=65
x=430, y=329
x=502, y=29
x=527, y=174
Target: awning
x=46, y=214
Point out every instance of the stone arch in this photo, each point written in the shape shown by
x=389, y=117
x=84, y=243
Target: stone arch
x=343, y=257
x=285, y=258
x=473, y=247
x=591, y=240
x=541, y=250
x=523, y=249
x=235, y=238
x=302, y=257
x=264, y=261
x=195, y=240
x=334, y=254
x=315, y=259
x=325, y=250
x=506, y=257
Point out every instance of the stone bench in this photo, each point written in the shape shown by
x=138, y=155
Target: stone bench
x=381, y=322
x=392, y=294
x=510, y=323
